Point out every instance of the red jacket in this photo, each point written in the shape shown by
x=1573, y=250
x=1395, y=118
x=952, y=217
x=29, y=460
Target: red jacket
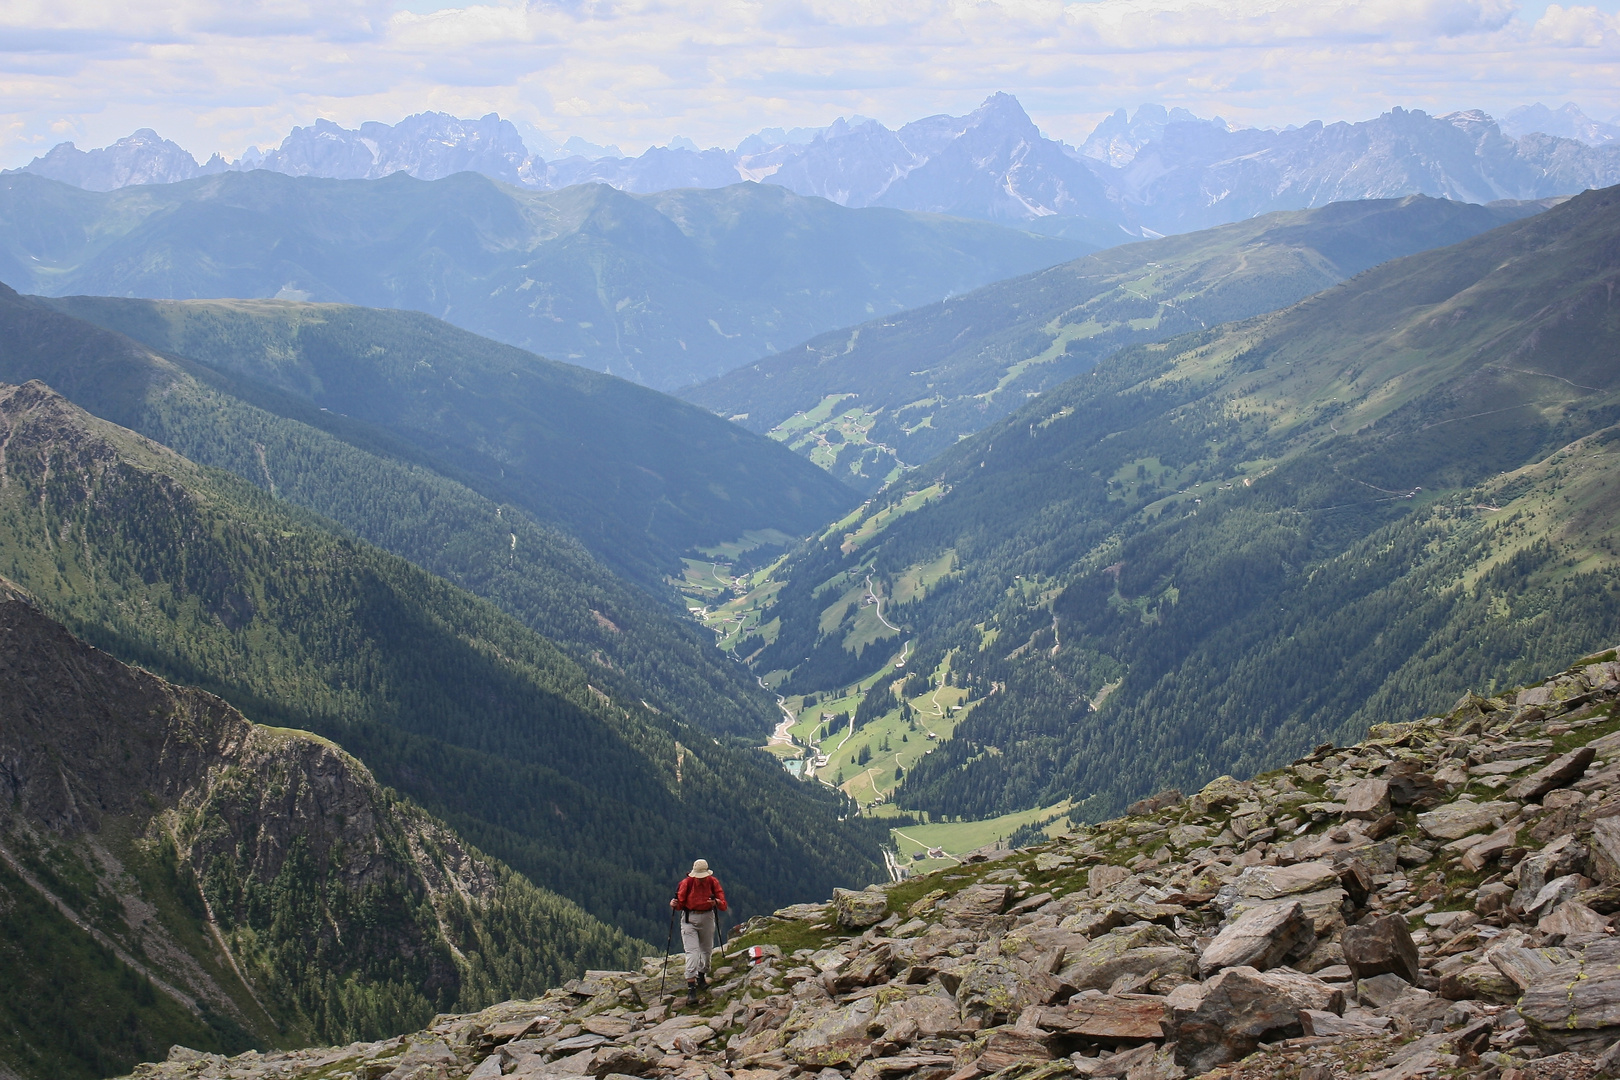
x=700, y=894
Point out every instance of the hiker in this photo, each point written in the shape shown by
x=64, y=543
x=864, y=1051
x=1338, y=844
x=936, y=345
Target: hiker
x=697, y=898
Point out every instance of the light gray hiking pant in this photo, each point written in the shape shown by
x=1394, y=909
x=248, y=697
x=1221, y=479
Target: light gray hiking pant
x=697, y=938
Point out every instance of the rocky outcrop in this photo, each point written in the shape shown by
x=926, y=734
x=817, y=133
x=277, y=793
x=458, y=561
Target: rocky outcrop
x=244, y=870
x=1357, y=912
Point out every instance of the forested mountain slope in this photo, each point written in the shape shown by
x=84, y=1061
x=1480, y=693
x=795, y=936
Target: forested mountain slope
x=1208, y=553
x=636, y=476
x=206, y=580
x=666, y=289
x=388, y=492
x=172, y=873
x=899, y=389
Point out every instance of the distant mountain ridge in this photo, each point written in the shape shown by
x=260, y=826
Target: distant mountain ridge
x=663, y=289
x=1162, y=170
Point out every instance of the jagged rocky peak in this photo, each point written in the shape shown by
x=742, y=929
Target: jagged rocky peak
x=1566, y=122
x=143, y=157
x=1117, y=140
x=1436, y=900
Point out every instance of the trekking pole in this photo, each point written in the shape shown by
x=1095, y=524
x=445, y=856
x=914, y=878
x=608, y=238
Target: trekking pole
x=669, y=941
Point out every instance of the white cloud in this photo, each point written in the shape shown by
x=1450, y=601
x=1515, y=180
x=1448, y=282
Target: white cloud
x=217, y=76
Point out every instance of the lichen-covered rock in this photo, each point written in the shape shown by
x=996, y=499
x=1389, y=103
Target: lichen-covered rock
x=1457, y=820
x=993, y=992
x=1149, y=952
x=1577, y=1007
x=858, y=910
x=833, y=1036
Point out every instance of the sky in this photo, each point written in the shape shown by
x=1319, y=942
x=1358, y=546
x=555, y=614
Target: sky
x=220, y=75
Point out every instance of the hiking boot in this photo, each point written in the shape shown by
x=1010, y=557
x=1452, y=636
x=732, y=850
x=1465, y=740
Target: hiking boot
x=702, y=983
x=691, y=993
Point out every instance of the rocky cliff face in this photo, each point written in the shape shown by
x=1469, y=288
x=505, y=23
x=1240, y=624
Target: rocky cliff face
x=258, y=878
x=1437, y=900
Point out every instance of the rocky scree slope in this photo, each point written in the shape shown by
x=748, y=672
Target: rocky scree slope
x=171, y=871
x=1435, y=901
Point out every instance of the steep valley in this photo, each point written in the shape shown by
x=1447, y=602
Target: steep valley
x=569, y=777
x=1210, y=553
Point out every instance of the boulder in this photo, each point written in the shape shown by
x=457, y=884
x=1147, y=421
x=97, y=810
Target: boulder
x=1523, y=965
x=933, y=1014
x=1378, y=991
x=1154, y=803
x=1409, y=785
x=1606, y=849
x=1148, y=952
x=1379, y=945
x=1109, y=1017
x=1561, y=858
x=1578, y=1006
x=1561, y=772
x=834, y=1036
x=912, y=1065
x=1008, y=1046
x=978, y=901
x=858, y=910
x=1219, y=793
x=1101, y=878
x=627, y=1061
x=1457, y=820
x=1368, y=799
x=992, y=992
x=1320, y=1024
x=1573, y=919
x=1242, y=1006
x=1554, y=893
x=1272, y=882
x=1260, y=938
x=1479, y=982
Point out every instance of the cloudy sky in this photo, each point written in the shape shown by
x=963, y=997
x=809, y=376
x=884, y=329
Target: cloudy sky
x=219, y=75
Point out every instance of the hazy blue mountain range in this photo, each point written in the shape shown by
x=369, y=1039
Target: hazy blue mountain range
x=665, y=289
x=1165, y=171
x=1206, y=553
x=1567, y=122
x=865, y=401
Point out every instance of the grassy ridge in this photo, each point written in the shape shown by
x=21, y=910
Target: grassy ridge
x=897, y=390
x=636, y=476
